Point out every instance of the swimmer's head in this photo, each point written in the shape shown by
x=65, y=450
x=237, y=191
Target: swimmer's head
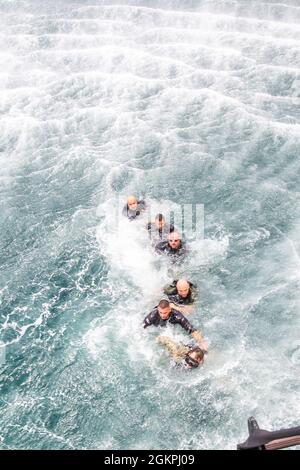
x=183, y=287
x=164, y=309
x=194, y=358
x=132, y=203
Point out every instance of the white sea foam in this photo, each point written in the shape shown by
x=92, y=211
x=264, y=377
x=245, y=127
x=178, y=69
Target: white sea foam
x=100, y=101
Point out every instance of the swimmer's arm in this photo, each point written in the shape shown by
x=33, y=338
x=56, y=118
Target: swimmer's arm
x=203, y=344
x=185, y=309
x=149, y=319
x=142, y=205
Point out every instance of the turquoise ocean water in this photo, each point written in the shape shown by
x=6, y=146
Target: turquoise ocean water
x=182, y=102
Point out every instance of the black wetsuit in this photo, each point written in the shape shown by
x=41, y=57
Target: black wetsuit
x=165, y=248
x=157, y=235
x=175, y=317
x=133, y=214
x=173, y=296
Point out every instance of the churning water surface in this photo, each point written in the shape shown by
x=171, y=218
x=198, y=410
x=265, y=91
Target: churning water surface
x=194, y=102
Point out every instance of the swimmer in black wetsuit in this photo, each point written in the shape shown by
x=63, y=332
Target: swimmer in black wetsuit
x=188, y=356
x=133, y=207
x=164, y=314
x=159, y=229
x=173, y=247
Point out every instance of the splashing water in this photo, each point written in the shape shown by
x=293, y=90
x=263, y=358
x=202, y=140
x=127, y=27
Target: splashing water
x=193, y=104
